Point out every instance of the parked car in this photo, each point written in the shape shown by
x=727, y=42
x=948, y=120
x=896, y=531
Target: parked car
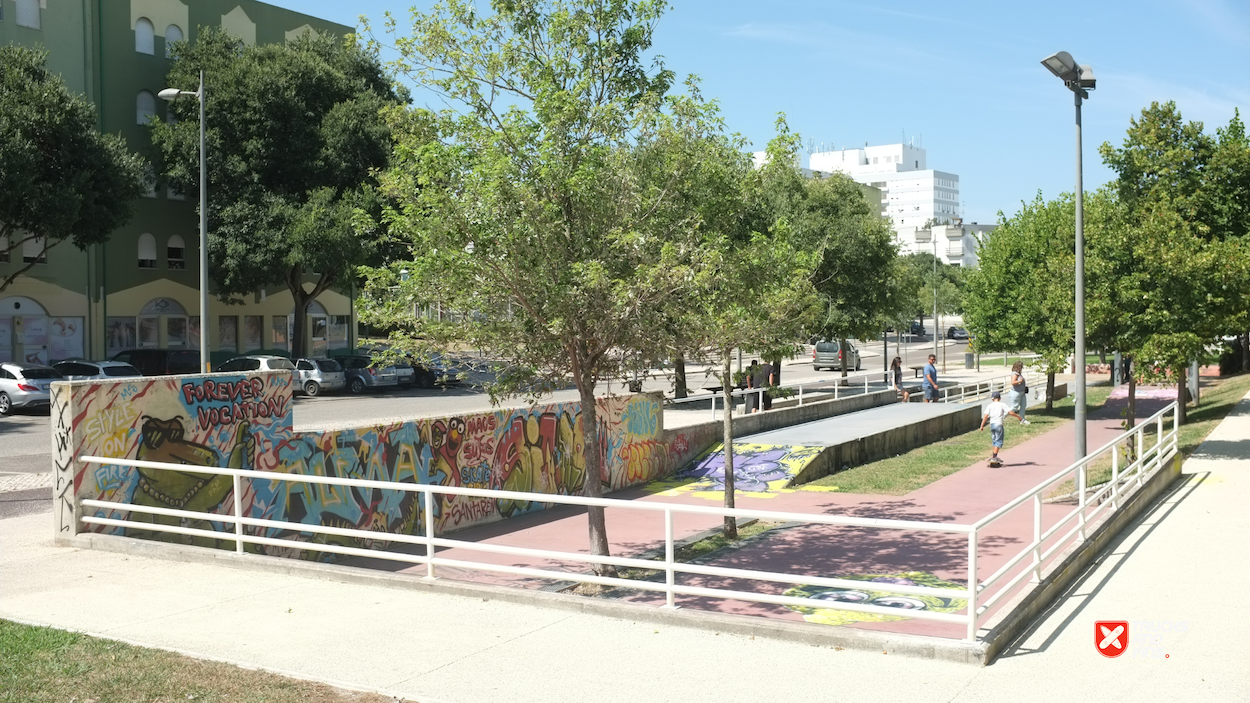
x=406, y=373
x=81, y=369
x=161, y=362
x=363, y=374
x=26, y=386
x=257, y=362
x=957, y=333
x=917, y=328
x=828, y=354
x=320, y=374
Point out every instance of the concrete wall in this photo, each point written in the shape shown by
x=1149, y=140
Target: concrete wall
x=889, y=443
x=244, y=421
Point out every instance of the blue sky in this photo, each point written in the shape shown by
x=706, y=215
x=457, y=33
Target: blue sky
x=962, y=78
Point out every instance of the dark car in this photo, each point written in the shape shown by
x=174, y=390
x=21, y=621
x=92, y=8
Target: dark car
x=917, y=329
x=362, y=373
x=81, y=369
x=161, y=362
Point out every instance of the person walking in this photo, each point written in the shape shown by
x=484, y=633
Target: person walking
x=896, y=379
x=766, y=382
x=995, y=413
x=930, y=380
x=1019, y=395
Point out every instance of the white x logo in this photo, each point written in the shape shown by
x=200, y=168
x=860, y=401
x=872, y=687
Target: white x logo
x=1111, y=637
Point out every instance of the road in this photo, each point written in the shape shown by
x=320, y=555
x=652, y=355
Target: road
x=25, y=441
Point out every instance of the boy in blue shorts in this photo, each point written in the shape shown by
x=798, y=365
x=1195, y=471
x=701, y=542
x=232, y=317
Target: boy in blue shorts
x=995, y=413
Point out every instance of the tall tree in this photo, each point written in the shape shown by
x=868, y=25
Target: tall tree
x=294, y=136
x=547, y=208
x=1194, y=280
x=60, y=179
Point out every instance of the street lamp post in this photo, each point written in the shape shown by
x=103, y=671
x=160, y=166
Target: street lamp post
x=173, y=94
x=1079, y=78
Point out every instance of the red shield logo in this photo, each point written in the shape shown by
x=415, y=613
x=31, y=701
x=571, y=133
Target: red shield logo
x=1111, y=637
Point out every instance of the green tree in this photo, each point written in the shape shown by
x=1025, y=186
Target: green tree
x=1193, y=279
x=60, y=179
x=294, y=135
x=547, y=210
x=859, y=272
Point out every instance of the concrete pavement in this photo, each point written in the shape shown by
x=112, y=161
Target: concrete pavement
x=1170, y=575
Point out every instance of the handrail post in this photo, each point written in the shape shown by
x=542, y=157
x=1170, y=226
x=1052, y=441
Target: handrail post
x=429, y=534
x=238, y=514
x=800, y=395
x=669, y=575
x=865, y=384
x=972, y=585
x=1080, y=487
x=1141, y=451
x=1037, y=537
x=1115, y=477
x=836, y=386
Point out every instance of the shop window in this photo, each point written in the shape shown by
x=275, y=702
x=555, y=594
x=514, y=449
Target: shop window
x=173, y=33
x=34, y=251
x=147, y=251
x=28, y=14
x=175, y=253
x=228, y=333
x=145, y=107
x=144, y=36
x=280, y=323
x=253, y=332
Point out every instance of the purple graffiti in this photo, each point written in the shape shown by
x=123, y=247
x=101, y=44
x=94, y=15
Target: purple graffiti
x=752, y=469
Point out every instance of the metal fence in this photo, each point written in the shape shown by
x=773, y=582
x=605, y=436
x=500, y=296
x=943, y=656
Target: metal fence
x=1133, y=468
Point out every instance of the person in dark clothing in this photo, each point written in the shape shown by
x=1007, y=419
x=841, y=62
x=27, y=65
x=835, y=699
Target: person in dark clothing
x=896, y=379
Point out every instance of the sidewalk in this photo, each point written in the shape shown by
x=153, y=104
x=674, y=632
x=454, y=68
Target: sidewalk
x=1172, y=570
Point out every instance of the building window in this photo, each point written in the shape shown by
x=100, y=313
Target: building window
x=279, y=331
x=149, y=182
x=28, y=14
x=173, y=33
x=175, y=253
x=4, y=251
x=144, y=32
x=34, y=251
x=147, y=251
x=228, y=333
x=145, y=107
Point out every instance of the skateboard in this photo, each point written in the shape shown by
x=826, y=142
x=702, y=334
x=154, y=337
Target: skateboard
x=996, y=462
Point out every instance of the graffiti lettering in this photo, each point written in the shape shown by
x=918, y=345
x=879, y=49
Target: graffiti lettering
x=237, y=412
x=109, y=420
x=480, y=424
x=246, y=389
x=642, y=418
x=475, y=476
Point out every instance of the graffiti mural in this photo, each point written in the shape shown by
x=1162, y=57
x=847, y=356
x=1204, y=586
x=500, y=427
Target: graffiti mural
x=758, y=468
x=246, y=422
x=869, y=596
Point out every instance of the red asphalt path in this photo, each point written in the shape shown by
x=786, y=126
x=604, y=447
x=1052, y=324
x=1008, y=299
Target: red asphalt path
x=821, y=550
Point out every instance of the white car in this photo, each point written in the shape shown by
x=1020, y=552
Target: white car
x=76, y=370
x=26, y=386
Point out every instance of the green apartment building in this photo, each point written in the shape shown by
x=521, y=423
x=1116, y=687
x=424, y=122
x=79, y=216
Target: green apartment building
x=141, y=288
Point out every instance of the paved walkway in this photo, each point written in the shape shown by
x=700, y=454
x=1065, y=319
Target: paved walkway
x=1170, y=575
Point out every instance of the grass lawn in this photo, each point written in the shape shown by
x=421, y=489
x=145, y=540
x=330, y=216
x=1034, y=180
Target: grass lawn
x=921, y=466
x=43, y=664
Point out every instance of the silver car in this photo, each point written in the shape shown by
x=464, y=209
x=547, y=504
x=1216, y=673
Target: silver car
x=320, y=374
x=80, y=370
x=828, y=354
x=26, y=386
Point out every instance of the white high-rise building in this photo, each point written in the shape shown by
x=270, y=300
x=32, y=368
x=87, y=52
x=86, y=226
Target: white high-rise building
x=912, y=194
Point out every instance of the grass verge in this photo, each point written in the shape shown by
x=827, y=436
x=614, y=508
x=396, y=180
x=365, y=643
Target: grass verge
x=40, y=664
x=902, y=474
x=1216, y=401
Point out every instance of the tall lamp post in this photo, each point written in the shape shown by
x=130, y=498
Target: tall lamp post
x=173, y=94
x=1079, y=79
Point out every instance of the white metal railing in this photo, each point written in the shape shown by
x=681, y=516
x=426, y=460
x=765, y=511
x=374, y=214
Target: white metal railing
x=1091, y=503
x=1103, y=499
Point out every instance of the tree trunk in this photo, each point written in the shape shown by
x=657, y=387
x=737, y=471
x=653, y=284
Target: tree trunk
x=731, y=523
x=1102, y=356
x=592, y=487
x=842, y=354
x=679, y=377
x=777, y=372
x=1245, y=351
x=885, y=350
x=1050, y=390
x=1182, y=395
x=1132, y=394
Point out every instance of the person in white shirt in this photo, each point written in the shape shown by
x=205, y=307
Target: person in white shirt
x=995, y=413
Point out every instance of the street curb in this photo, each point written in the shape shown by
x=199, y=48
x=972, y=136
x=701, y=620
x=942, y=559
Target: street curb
x=805, y=633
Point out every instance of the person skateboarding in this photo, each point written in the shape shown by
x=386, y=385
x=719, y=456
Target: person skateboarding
x=995, y=413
